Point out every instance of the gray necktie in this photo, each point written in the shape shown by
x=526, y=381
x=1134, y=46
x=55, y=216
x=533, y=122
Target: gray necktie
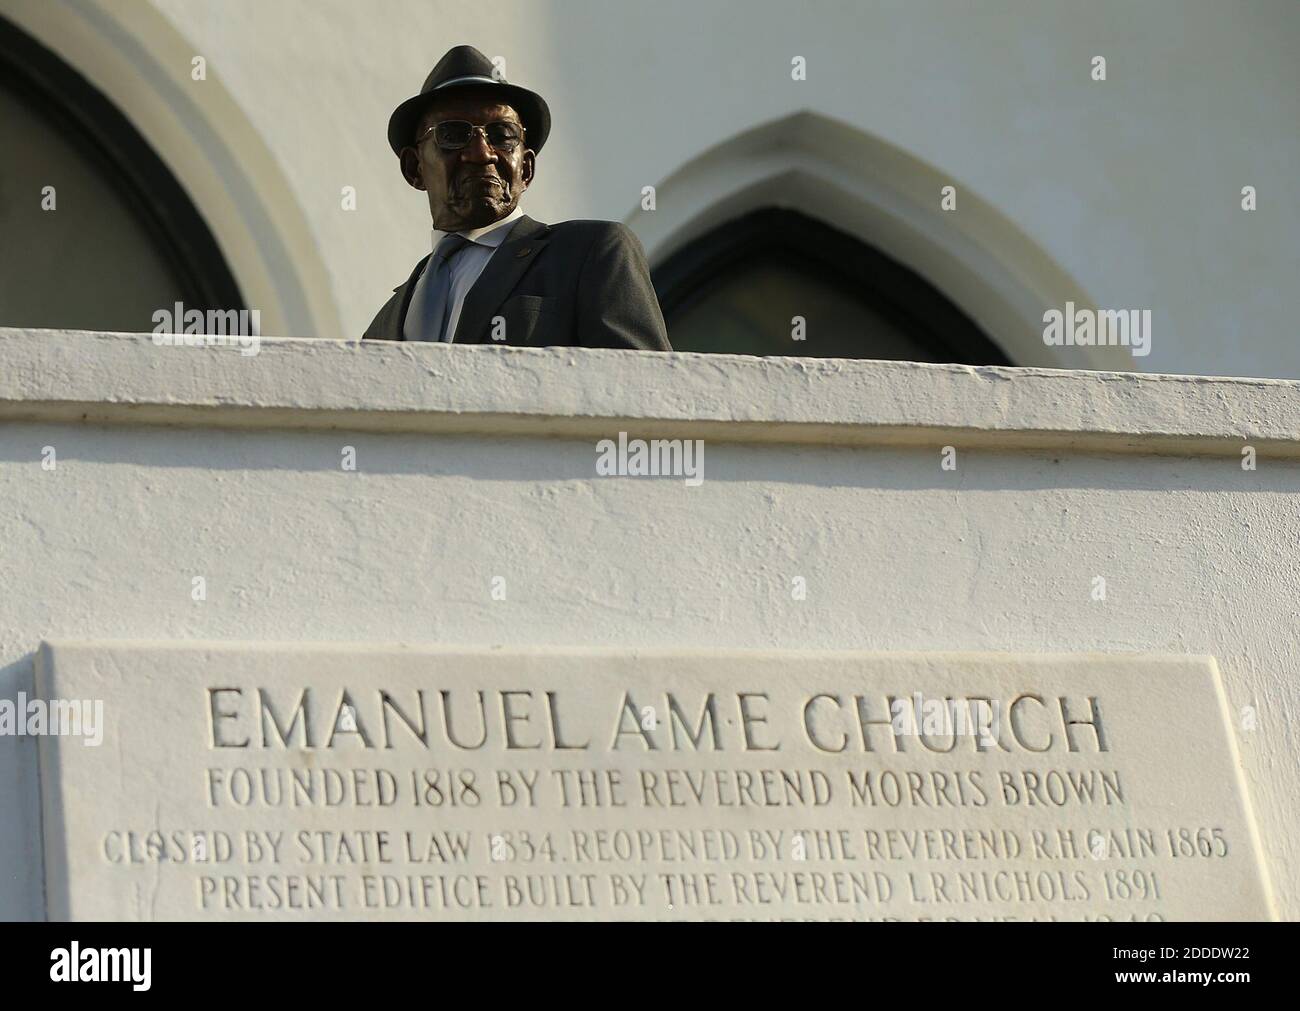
x=438, y=287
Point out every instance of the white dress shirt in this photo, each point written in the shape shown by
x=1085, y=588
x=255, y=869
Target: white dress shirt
x=466, y=266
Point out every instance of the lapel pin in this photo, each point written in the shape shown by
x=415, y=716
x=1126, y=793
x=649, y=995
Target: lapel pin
x=523, y=252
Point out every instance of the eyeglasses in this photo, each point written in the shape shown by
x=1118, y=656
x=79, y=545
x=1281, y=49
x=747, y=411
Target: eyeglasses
x=455, y=134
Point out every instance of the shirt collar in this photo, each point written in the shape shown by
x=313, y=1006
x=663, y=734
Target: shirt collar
x=489, y=235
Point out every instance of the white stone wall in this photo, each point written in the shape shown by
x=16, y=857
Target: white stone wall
x=1119, y=194
x=478, y=462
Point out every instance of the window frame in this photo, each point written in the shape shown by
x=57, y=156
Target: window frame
x=125, y=160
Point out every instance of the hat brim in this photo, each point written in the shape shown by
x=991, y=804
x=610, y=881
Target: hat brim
x=532, y=109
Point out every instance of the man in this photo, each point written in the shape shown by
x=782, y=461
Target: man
x=496, y=276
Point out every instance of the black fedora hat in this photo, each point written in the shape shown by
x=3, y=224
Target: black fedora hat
x=466, y=67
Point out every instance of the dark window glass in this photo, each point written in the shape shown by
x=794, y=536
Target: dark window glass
x=736, y=290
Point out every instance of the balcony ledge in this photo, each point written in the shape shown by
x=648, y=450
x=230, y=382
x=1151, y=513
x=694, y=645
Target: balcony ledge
x=65, y=376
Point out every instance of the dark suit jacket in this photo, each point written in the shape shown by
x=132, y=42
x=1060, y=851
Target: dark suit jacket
x=575, y=283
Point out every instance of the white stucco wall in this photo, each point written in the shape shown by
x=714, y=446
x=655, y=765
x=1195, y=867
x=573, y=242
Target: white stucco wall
x=1119, y=194
x=476, y=462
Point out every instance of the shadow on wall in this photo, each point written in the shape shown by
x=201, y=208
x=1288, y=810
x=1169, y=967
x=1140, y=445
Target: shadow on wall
x=21, y=893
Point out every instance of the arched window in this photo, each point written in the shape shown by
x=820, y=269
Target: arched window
x=737, y=289
x=95, y=232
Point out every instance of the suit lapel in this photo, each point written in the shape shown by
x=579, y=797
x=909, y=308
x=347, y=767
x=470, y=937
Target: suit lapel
x=395, y=326
x=499, y=277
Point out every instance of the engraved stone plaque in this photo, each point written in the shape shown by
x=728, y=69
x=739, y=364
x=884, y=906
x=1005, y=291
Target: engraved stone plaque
x=314, y=781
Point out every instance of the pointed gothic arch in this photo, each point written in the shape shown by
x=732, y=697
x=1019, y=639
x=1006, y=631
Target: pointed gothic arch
x=888, y=199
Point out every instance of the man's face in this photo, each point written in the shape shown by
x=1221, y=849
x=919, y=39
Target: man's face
x=478, y=184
